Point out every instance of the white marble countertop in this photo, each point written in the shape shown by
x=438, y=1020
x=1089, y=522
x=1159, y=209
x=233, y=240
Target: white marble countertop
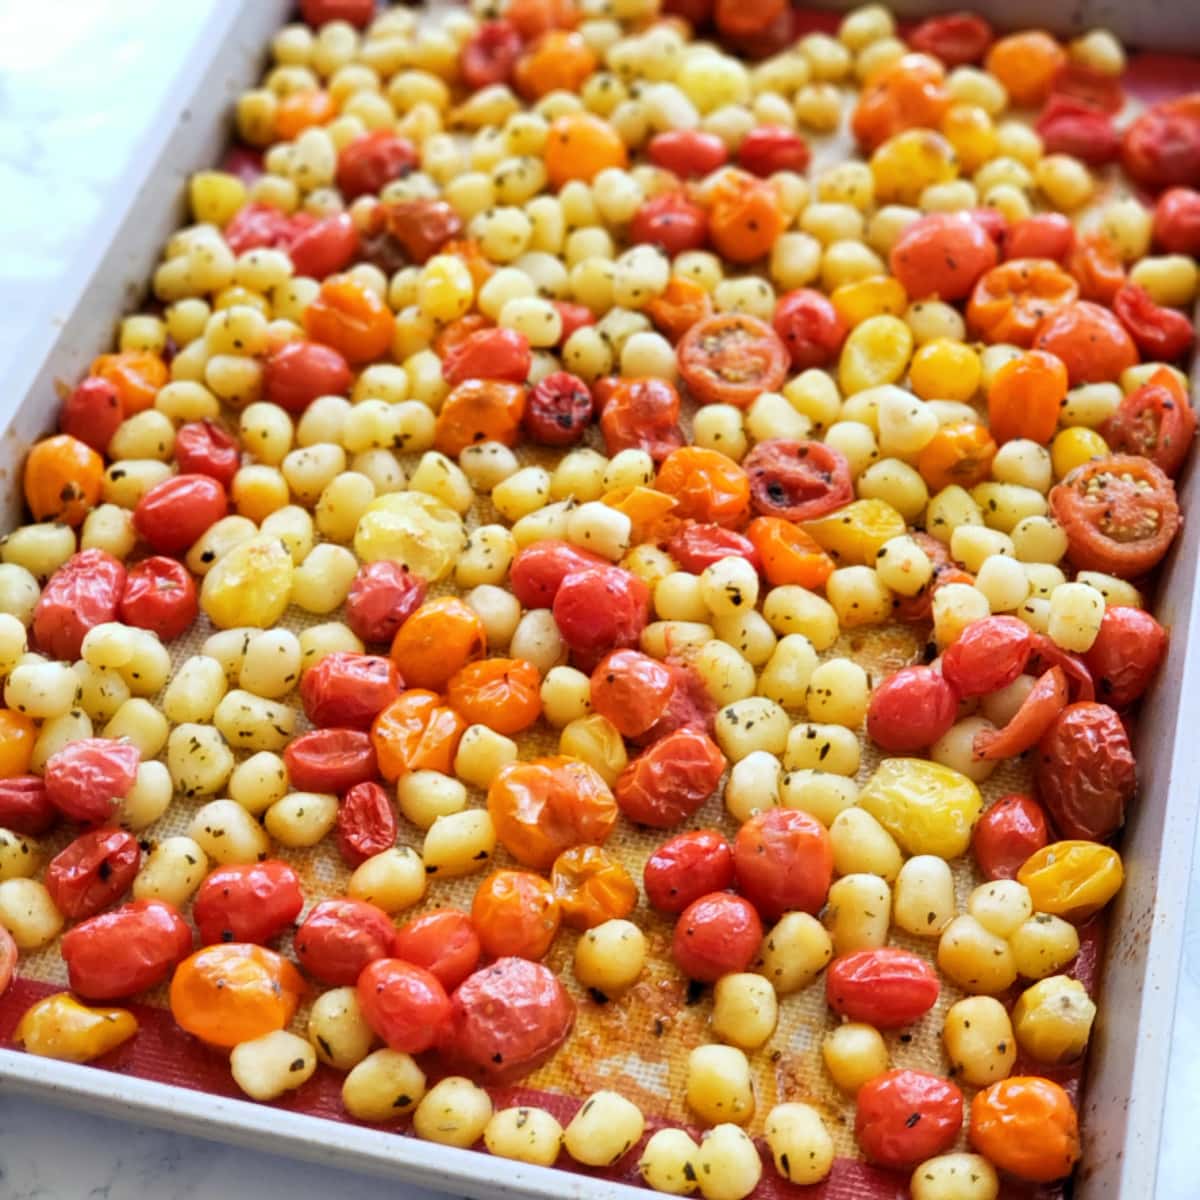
x=75, y=77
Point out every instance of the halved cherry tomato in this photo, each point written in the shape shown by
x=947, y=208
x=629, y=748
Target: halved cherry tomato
x=247, y=902
x=1037, y=713
x=810, y=327
x=745, y=217
x=382, y=597
x=1025, y=397
x=204, y=448
x=670, y=221
x=731, y=358
x=91, y=873
x=351, y=318
x=686, y=867
x=1156, y=421
x=1089, y=339
x=501, y=354
x=942, y=255
x=956, y=38
x=1120, y=515
x=340, y=937
x=1161, y=149
x=1126, y=654
x=371, y=161
x=414, y=733
x=502, y=693
x=88, y=778
x=1176, y=224
x=687, y=152
x=600, y=609
x=798, y=481
x=640, y=414
x=783, y=860
x=1007, y=834
x=715, y=935
x=911, y=709
x=1027, y=1126
x=83, y=593
x=443, y=941
x=960, y=453
x=440, y=638
x=769, y=148
x=1011, y=300
x=349, y=689
x=1044, y=235
x=908, y=94
x=905, y=1117
x=515, y=913
x=62, y=479
x=1096, y=266
x=159, y=595
x=558, y=410
x=788, y=554
x=403, y=1004
x=707, y=485
x=298, y=372
x=1159, y=333
x=128, y=950
x=366, y=823
x=92, y=413
x=1069, y=125
x=489, y=55
x=591, y=887
x=667, y=783
x=1027, y=64
x=539, y=569
x=330, y=760
x=887, y=988
x=987, y=656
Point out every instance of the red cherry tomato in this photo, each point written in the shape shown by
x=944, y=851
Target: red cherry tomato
x=330, y=760
x=686, y=867
x=1007, y=834
x=25, y=807
x=1097, y=88
x=443, y=941
x=573, y=317
x=489, y=55
x=204, y=448
x=159, y=595
x=1155, y=421
x=298, y=372
x=632, y=690
x=600, y=609
x=257, y=227
x=382, y=597
x=340, y=937
x=91, y=873
x=911, y=709
x=1176, y=227
x=670, y=221
x=92, y=413
x=988, y=655
x=126, y=951
x=810, y=328
x=687, y=152
x=784, y=861
x=8, y=959
x=558, y=410
x=87, y=779
x=324, y=247
x=639, y=414
x=372, y=161
x=887, y=988
x=1089, y=339
x=991, y=221
x=83, y=593
x=798, y=481
x=1045, y=235
x=507, y=1019
x=405, y=1005
x=247, y=902
x=769, y=148
x=698, y=545
x=539, y=569
x=1085, y=772
x=1047, y=698
x=1159, y=333
x=349, y=690
x=173, y=514
x=956, y=38
x=905, y=1117
x=488, y=354
x=1126, y=654
x=715, y=935
x=731, y=358
x=943, y=255
x=366, y=823
x=668, y=782
x=1072, y=126
x=358, y=13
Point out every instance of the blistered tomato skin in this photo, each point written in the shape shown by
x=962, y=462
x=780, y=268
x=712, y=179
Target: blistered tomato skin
x=443, y=941
x=539, y=569
x=632, y=690
x=797, y=481
x=1038, y=711
x=488, y=354
x=405, y=1005
x=297, y=373
x=887, y=988
x=340, y=937
x=349, y=689
x=715, y=935
x=330, y=760
x=601, y=608
x=1026, y=1126
x=942, y=255
x=204, y=448
x=382, y=597
x=558, y=410
x=324, y=246
x=94, y=871
x=686, y=867
x=783, y=860
x=669, y=781
x=25, y=807
x=87, y=779
x=905, y=1117
x=810, y=327
x=373, y=160
x=911, y=709
x=83, y=593
x=173, y=514
x=247, y=902
x=160, y=595
x=672, y=222
x=1007, y=834
x=366, y=823
x=988, y=655
x=1125, y=655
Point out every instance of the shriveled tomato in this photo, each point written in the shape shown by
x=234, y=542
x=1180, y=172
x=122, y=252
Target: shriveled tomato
x=632, y=690
x=731, y=358
x=298, y=372
x=416, y=732
x=905, y=1117
x=1120, y=515
x=1046, y=654
x=440, y=638
x=159, y=595
x=769, y=148
x=88, y=778
x=479, y=410
x=1161, y=148
x=350, y=318
x=908, y=94
x=1176, y=224
x=1158, y=332
x=592, y=887
x=326, y=245
x=137, y=374
x=686, y=152
x=257, y=226
x=443, y=941
x=1044, y=235
x=942, y=255
x=94, y=871
x=1025, y=397
x=539, y=569
x=690, y=706
x=330, y=760
x=911, y=709
x=1155, y=421
x=667, y=783
x=558, y=410
x=686, y=867
x=403, y=1004
x=697, y=545
x=988, y=655
x=1011, y=300
x=128, y=950
x=1089, y=339
x=489, y=54
x=247, y=902
x=1026, y=1126
x=399, y=232
x=488, y=354
x=515, y=913
x=204, y=448
x=502, y=693
x=92, y=413
x=960, y=453
x=371, y=161
x=349, y=689
x=783, y=859
x=366, y=823
x=670, y=221
x=600, y=609
x=887, y=988
x=382, y=597
x=955, y=38
x=640, y=414
x=1096, y=265
x=62, y=479
x=810, y=327
x=715, y=935
x=24, y=806
x=1069, y=125
x=83, y=593
x=707, y=485
x=340, y=937
x=798, y=481
x=1007, y=834
x=543, y=807
x=788, y=554
x=745, y=217
x=1126, y=654
x=1037, y=713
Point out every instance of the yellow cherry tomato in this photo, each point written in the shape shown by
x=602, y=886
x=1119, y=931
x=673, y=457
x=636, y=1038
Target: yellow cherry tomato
x=251, y=585
x=1072, y=880
x=874, y=296
x=927, y=807
x=944, y=369
x=60, y=1027
x=413, y=529
x=1073, y=447
x=905, y=165
x=854, y=534
x=876, y=352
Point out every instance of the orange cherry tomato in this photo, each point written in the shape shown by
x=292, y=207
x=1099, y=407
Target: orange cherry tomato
x=440, y=638
x=745, y=217
x=1090, y=340
x=62, y=479
x=789, y=555
x=708, y=486
x=301, y=111
x=136, y=374
x=653, y=513
x=515, y=913
x=416, y=732
x=459, y=331
x=592, y=887
x=558, y=62
x=1011, y=300
x=1025, y=397
x=234, y=992
x=1026, y=63
x=473, y=258
x=479, y=410
x=546, y=806
x=1027, y=1126
x=959, y=453
x=579, y=146
x=1097, y=267
x=17, y=736
x=351, y=318
x=679, y=307
x=532, y=18
x=909, y=94
x=502, y=693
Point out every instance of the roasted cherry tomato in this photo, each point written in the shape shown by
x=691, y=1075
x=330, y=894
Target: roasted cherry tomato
x=1027, y=64
x=1047, y=654
x=515, y=913
x=502, y=693
x=543, y=807
x=679, y=307
x=340, y=937
x=91, y=873
x=956, y=38
x=572, y=317
x=686, y=152
x=359, y=13
x=1120, y=515
x=667, y=783
x=1158, y=332
x=159, y=595
x=330, y=760
x=905, y=1117
x=443, y=941
x=1072, y=880
x=126, y=951
x=1044, y=235
x=600, y=609
x=366, y=823
x=745, y=217
x=960, y=453
x=715, y=935
x=441, y=637
x=784, y=862
x=507, y=1019
x=400, y=232
x=87, y=779
x=558, y=410
x=797, y=480
x=908, y=94
x=769, y=148
x=670, y=221
x=1007, y=834
x=731, y=358
x=1095, y=264
x=1010, y=301
x=298, y=372
x=1068, y=125
x=1125, y=655
x=403, y=1004
x=788, y=554
x=350, y=318
x=247, y=902
x=591, y=887
x=137, y=374
x=887, y=988
x=302, y=110
x=91, y=414
x=489, y=55
x=686, y=867
x=539, y=569
x=1156, y=421
x=257, y=226
x=18, y=736
x=640, y=414
x=24, y=806
x=696, y=546
x=942, y=255
x=173, y=514
x=1025, y=397
x=382, y=597
x=632, y=690
x=479, y=410
x=371, y=161
x=204, y=448
x=1026, y=1126
x=987, y=656
x=1161, y=148
x=1089, y=339
x=690, y=706
x=349, y=689
x=579, y=146
x=1046, y=699
x=1176, y=224
x=706, y=484
x=327, y=245
x=62, y=479
x=229, y=994
x=1085, y=772
x=810, y=327
x=911, y=709
x=488, y=354
x=58, y=1026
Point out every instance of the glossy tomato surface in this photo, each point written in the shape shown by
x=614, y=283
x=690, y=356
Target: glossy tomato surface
x=247, y=902
x=686, y=867
x=128, y=950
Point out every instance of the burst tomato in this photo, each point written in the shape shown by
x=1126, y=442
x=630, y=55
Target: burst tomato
x=502, y=693
x=632, y=690
x=204, y=448
x=538, y=570
x=798, y=481
x=956, y=38
x=440, y=638
x=1027, y=1126
x=24, y=806
x=1069, y=125
x=1010, y=301
x=488, y=354
x=416, y=732
x=686, y=152
x=1038, y=710
x=769, y=148
x=327, y=245
x=330, y=760
x=443, y=941
x=1093, y=345
x=371, y=161
x=1044, y=235
x=489, y=55
x=601, y=609
x=298, y=372
x=366, y=823
x=1176, y=224
x=591, y=887
x=91, y=873
x=1007, y=834
x=87, y=779
x=349, y=689
x=1158, y=332
x=91, y=414
x=1161, y=148
x=640, y=414
x=706, y=484
x=382, y=597
x=558, y=410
